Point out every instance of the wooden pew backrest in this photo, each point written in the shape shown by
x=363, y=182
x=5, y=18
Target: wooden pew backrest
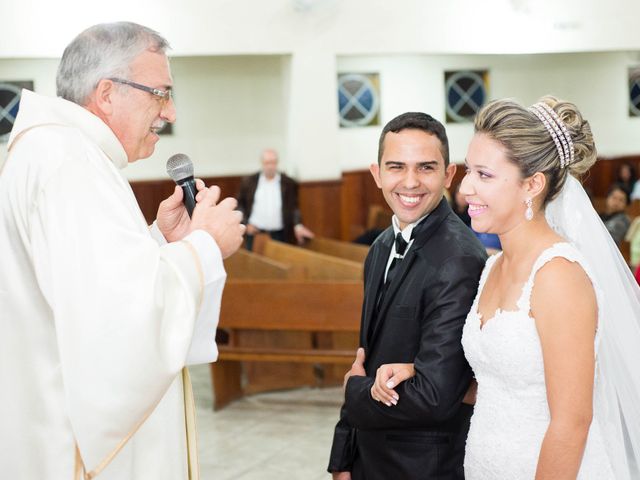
x=244, y=264
x=337, y=248
x=317, y=266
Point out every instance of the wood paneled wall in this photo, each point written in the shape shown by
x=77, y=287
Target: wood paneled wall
x=359, y=193
x=333, y=209
x=151, y=192
x=320, y=205
x=602, y=175
x=339, y=208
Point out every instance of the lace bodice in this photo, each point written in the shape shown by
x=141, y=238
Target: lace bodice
x=511, y=413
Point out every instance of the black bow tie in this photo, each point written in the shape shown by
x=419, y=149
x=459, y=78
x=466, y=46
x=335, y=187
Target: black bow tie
x=401, y=245
x=401, y=248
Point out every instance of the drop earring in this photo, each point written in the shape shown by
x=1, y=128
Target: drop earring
x=528, y=213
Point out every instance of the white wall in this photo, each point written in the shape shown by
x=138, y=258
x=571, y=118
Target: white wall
x=282, y=92
x=41, y=28
x=230, y=107
x=596, y=82
x=41, y=71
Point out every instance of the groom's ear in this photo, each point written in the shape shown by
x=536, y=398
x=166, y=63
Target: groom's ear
x=536, y=184
x=374, y=168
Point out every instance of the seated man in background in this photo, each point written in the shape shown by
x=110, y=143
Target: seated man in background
x=614, y=216
x=269, y=203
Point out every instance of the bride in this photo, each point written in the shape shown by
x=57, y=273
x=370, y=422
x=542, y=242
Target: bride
x=553, y=336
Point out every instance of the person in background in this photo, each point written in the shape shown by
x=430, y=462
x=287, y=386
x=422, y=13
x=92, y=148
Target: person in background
x=269, y=203
x=614, y=216
x=633, y=237
x=627, y=178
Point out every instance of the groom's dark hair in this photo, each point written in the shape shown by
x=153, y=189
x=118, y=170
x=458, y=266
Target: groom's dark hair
x=416, y=121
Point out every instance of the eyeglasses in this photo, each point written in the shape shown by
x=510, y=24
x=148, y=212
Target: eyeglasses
x=163, y=95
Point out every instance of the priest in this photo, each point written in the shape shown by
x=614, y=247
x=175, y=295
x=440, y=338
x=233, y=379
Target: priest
x=100, y=313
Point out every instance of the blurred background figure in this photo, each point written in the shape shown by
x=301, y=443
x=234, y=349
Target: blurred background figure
x=614, y=216
x=269, y=203
x=633, y=237
x=627, y=179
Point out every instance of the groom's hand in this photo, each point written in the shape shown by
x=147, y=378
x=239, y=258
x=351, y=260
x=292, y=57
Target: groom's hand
x=357, y=368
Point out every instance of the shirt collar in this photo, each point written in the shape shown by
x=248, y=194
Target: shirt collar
x=275, y=179
x=406, y=233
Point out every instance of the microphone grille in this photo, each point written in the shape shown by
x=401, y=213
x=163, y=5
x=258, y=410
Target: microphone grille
x=179, y=167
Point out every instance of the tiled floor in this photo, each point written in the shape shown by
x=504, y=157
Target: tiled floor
x=280, y=435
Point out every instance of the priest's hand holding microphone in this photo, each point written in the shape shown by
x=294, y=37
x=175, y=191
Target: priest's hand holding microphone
x=193, y=206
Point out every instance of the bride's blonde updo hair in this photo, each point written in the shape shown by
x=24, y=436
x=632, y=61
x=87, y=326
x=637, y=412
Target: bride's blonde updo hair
x=529, y=144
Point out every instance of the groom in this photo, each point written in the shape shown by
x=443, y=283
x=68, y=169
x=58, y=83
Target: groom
x=418, y=290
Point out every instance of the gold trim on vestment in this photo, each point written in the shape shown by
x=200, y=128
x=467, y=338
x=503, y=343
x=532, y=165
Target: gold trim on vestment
x=189, y=403
x=109, y=458
x=193, y=467
x=190, y=425
x=19, y=136
x=79, y=467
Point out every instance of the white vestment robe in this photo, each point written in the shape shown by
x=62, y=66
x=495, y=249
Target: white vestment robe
x=97, y=318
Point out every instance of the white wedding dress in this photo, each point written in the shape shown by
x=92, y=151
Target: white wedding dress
x=511, y=413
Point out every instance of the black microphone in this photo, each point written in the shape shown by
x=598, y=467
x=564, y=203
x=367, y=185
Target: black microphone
x=180, y=169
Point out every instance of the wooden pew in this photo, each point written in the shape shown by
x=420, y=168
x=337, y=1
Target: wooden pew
x=319, y=267
x=599, y=204
x=256, y=377
x=338, y=248
x=625, y=250
x=633, y=209
x=248, y=265
x=316, y=266
x=303, y=314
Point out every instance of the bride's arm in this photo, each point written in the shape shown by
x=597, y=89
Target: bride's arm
x=390, y=375
x=564, y=306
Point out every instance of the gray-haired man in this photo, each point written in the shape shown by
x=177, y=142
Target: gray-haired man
x=100, y=313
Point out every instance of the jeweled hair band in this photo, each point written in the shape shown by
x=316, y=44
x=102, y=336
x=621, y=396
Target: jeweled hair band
x=557, y=130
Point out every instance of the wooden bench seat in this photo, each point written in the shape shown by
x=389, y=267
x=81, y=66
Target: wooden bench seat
x=291, y=319
x=287, y=355
x=345, y=250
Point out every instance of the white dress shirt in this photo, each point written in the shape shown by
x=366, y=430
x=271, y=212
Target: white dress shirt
x=266, y=213
x=406, y=235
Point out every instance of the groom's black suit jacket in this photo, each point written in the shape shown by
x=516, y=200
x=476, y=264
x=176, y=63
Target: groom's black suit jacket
x=419, y=321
